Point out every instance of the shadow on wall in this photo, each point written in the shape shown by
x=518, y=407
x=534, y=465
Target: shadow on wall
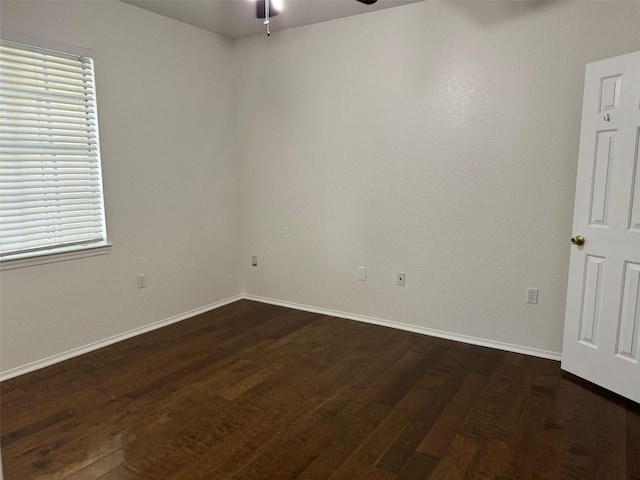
x=489, y=13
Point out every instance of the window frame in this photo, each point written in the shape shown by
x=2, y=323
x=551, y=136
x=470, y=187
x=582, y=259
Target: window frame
x=69, y=252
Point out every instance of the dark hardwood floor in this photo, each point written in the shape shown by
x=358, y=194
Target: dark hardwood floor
x=253, y=391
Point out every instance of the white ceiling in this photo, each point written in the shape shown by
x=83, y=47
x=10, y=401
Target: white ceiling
x=237, y=18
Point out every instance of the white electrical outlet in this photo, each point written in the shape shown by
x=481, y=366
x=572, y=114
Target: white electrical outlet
x=532, y=295
x=254, y=260
x=400, y=279
x=142, y=281
x=362, y=274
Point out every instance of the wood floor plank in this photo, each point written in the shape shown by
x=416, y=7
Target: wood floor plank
x=487, y=459
x=556, y=445
x=361, y=377
x=580, y=460
x=48, y=442
x=120, y=473
x=632, y=417
x=440, y=436
x=245, y=445
x=459, y=360
x=528, y=436
x=457, y=460
x=42, y=401
x=289, y=403
x=376, y=473
x=369, y=403
x=418, y=466
x=260, y=392
x=611, y=440
x=411, y=436
x=315, y=369
x=35, y=427
x=406, y=379
x=14, y=398
x=296, y=451
x=100, y=467
x=376, y=444
x=355, y=433
x=516, y=390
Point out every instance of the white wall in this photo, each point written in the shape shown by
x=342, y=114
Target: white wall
x=436, y=139
x=165, y=99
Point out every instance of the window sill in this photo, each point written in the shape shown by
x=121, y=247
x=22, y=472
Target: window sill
x=80, y=252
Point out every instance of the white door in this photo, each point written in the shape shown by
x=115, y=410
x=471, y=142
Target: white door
x=602, y=323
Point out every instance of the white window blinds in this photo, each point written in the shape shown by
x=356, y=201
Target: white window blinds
x=50, y=177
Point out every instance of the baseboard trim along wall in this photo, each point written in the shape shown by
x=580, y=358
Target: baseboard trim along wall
x=75, y=352
x=483, y=342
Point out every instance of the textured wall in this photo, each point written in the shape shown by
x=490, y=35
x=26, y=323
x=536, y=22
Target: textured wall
x=436, y=139
x=165, y=99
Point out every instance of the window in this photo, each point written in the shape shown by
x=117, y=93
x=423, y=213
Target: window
x=51, y=198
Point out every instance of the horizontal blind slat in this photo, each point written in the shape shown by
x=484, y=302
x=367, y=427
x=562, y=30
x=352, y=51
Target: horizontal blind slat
x=47, y=247
x=52, y=181
x=44, y=113
x=44, y=81
x=74, y=230
x=70, y=226
x=42, y=88
x=34, y=147
x=67, y=120
x=36, y=67
x=42, y=127
x=32, y=99
x=31, y=51
x=51, y=63
x=44, y=192
x=29, y=210
x=16, y=140
x=10, y=100
x=11, y=67
x=27, y=206
x=24, y=218
x=59, y=96
x=43, y=242
x=12, y=161
x=11, y=174
x=42, y=118
x=74, y=233
x=46, y=133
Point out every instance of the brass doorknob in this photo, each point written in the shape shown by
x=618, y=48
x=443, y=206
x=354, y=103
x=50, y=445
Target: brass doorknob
x=577, y=240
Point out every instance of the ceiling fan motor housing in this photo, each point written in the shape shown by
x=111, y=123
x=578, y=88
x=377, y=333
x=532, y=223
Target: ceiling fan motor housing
x=273, y=11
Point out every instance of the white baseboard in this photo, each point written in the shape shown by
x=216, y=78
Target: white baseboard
x=45, y=362
x=483, y=342
x=74, y=352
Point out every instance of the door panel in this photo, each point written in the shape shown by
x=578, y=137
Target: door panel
x=634, y=218
x=591, y=311
x=602, y=322
x=610, y=93
x=601, y=184
x=628, y=328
